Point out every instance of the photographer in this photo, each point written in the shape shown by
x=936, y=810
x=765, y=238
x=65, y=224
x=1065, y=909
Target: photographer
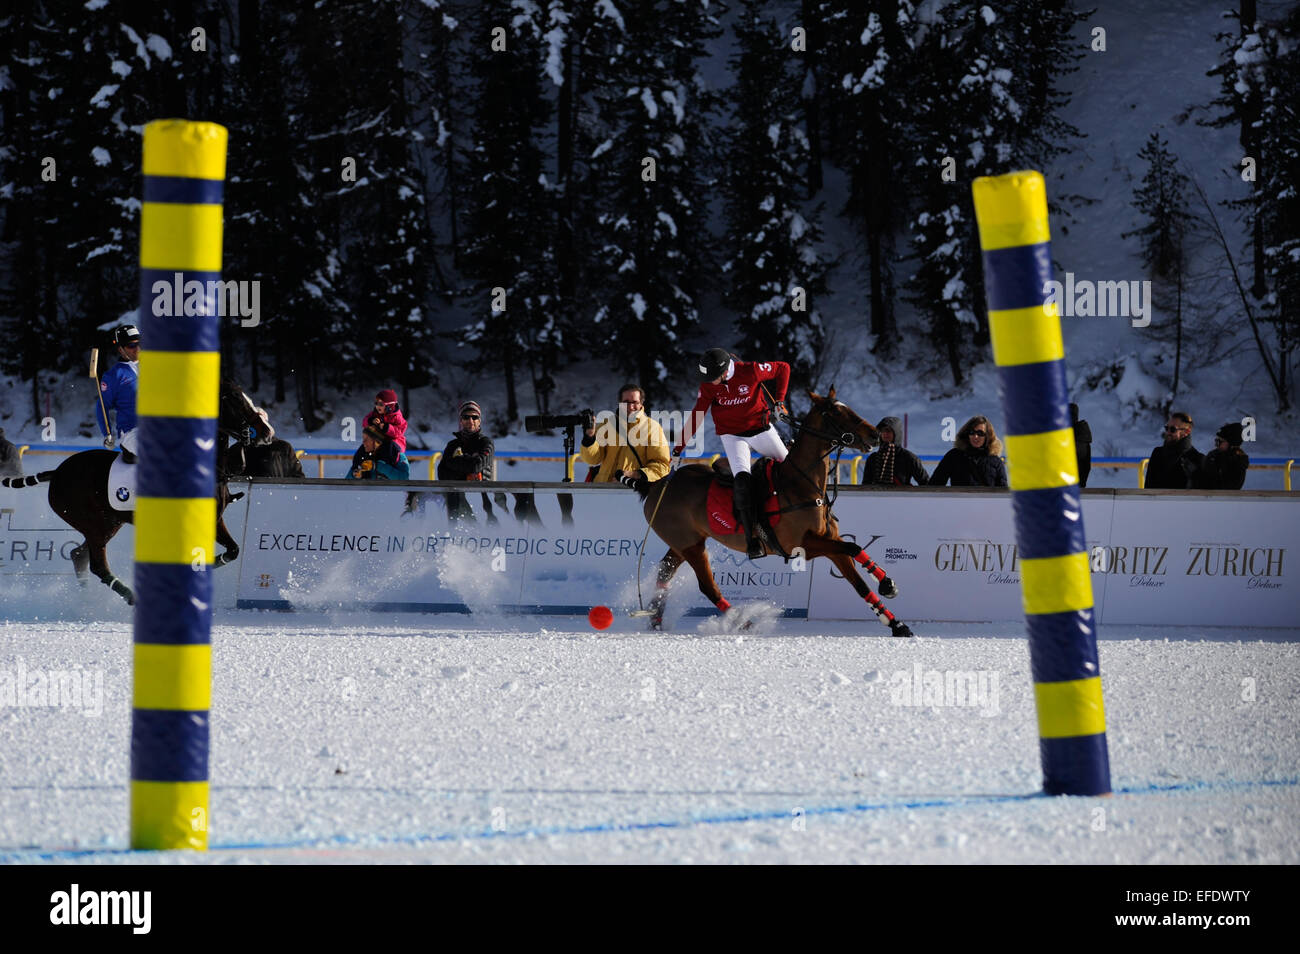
x=631, y=448
x=468, y=456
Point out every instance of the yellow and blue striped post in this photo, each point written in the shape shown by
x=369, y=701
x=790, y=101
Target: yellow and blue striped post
x=1043, y=472
x=175, y=516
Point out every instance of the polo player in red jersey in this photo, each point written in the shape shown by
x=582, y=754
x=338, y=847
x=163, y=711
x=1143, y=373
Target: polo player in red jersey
x=734, y=391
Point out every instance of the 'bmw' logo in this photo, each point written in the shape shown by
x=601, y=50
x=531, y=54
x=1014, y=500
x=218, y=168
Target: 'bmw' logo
x=123, y=494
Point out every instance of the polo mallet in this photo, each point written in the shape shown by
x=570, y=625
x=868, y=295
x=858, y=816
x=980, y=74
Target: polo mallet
x=641, y=556
x=94, y=376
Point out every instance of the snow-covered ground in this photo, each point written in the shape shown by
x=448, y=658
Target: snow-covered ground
x=484, y=739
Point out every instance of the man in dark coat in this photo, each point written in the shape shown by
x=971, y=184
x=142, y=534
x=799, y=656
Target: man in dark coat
x=1224, y=468
x=468, y=456
x=1082, y=445
x=11, y=465
x=1176, y=463
x=893, y=465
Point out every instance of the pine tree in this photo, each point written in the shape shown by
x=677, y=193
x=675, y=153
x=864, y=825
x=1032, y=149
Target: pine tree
x=507, y=243
x=871, y=53
x=387, y=239
x=1260, y=92
x=1162, y=199
x=647, y=170
x=78, y=87
x=773, y=247
x=968, y=121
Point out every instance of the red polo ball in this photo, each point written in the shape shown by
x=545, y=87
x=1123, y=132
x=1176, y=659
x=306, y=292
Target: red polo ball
x=600, y=617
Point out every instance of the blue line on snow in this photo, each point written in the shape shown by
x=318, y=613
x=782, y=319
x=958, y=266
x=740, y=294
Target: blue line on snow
x=28, y=856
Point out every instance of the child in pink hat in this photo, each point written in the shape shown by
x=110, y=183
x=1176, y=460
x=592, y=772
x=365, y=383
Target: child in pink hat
x=387, y=417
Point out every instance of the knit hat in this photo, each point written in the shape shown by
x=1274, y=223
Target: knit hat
x=388, y=396
x=469, y=406
x=376, y=432
x=1230, y=433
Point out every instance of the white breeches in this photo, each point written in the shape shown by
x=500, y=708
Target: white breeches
x=766, y=444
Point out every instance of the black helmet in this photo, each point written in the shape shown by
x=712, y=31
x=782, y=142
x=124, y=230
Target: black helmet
x=713, y=362
x=127, y=334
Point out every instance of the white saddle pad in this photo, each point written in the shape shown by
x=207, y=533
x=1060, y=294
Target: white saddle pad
x=121, y=485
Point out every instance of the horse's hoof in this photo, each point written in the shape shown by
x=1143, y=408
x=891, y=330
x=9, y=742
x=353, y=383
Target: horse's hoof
x=888, y=588
x=899, y=629
x=656, y=623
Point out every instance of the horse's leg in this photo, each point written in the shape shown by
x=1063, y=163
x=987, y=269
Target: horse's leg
x=227, y=542
x=844, y=563
x=98, y=555
x=81, y=562
x=663, y=576
x=224, y=538
x=825, y=546
x=698, y=557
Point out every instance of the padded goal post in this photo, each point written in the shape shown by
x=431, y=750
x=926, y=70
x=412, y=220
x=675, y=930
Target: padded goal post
x=1056, y=588
x=175, y=517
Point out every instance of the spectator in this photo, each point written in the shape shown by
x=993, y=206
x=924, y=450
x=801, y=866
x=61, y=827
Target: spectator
x=11, y=464
x=1082, y=445
x=893, y=464
x=118, y=390
x=630, y=448
x=379, y=457
x=1176, y=464
x=468, y=456
x=974, y=460
x=388, y=417
x=1224, y=468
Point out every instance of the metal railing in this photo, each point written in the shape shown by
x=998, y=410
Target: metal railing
x=850, y=468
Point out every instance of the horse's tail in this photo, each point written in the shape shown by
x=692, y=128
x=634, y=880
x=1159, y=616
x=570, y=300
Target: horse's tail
x=29, y=481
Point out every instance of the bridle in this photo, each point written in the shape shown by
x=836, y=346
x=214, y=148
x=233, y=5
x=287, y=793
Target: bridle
x=836, y=445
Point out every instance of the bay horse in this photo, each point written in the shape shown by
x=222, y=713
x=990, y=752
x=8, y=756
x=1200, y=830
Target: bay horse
x=79, y=491
x=681, y=518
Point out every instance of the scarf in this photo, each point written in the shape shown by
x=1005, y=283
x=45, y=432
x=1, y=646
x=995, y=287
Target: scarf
x=888, y=453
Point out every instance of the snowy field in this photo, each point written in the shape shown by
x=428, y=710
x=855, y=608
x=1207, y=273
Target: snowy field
x=472, y=739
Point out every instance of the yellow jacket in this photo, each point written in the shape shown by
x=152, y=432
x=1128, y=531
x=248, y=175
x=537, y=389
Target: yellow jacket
x=647, y=442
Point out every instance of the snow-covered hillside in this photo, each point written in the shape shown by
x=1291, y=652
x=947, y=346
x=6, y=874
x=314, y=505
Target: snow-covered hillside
x=1151, y=78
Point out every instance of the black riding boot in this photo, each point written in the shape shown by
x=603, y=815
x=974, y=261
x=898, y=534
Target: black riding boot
x=742, y=490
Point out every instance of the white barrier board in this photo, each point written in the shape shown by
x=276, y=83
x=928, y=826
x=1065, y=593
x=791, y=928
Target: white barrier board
x=543, y=551
x=954, y=556
x=1157, y=558
x=1193, y=559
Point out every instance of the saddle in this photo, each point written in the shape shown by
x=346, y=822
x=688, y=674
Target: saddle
x=723, y=518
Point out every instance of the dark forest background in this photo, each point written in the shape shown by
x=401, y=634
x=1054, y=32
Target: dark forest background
x=611, y=165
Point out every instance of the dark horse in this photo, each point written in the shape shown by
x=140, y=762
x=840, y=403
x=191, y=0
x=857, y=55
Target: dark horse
x=807, y=523
x=79, y=490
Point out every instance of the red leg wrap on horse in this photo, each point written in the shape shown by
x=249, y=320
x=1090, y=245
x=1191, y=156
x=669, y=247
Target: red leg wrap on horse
x=722, y=604
x=872, y=568
x=875, y=603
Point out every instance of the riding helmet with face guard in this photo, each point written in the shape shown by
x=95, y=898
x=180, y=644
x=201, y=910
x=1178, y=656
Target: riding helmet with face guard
x=713, y=362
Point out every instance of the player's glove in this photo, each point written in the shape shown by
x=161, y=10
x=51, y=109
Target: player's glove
x=782, y=412
x=367, y=465
x=677, y=451
x=110, y=443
